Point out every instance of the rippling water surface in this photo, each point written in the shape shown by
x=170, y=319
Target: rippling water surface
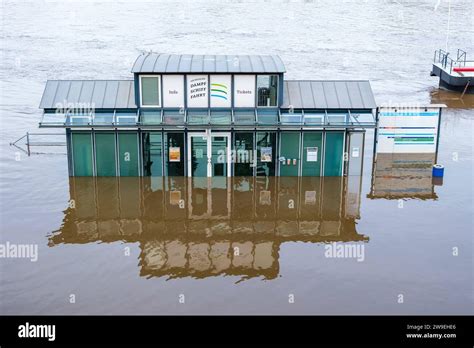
x=127, y=247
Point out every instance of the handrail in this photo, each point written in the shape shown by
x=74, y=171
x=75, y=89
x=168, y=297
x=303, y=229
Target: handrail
x=30, y=143
x=442, y=57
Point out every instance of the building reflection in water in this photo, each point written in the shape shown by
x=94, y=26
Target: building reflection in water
x=204, y=227
x=401, y=176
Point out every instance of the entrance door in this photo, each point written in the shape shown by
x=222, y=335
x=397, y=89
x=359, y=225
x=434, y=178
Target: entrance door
x=209, y=154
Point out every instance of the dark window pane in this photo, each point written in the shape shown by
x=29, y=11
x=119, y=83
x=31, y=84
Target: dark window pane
x=267, y=89
x=266, y=153
x=152, y=154
x=244, y=154
x=174, y=165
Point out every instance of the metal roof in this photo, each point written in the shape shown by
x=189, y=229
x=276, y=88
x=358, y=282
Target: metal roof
x=190, y=63
x=100, y=94
x=328, y=95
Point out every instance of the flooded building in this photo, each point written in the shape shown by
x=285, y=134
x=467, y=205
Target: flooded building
x=209, y=116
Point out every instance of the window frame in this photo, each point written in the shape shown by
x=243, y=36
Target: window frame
x=277, y=91
x=140, y=86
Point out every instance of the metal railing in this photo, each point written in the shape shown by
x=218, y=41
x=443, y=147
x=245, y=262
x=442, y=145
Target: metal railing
x=447, y=63
x=32, y=140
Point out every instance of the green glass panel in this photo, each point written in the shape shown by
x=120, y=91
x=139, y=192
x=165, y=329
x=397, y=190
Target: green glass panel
x=219, y=155
x=312, y=152
x=173, y=117
x=333, y=154
x=221, y=117
x=198, y=117
x=266, y=153
x=290, y=150
x=267, y=117
x=152, y=154
x=105, y=154
x=174, y=165
x=199, y=156
x=149, y=90
x=244, y=116
x=244, y=154
x=150, y=117
x=128, y=154
x=82, y=154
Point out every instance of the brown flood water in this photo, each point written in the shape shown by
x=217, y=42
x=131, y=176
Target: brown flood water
x=137, y=245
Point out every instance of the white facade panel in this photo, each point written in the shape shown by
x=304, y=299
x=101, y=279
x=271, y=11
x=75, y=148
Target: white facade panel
x=173, y=91
x=244, y=91
x=221, y=91
x=197, y=88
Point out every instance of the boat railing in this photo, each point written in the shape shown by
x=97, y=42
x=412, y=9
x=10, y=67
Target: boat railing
x=442, y=58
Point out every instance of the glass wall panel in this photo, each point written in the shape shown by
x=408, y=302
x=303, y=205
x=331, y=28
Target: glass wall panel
x=150, y=117
x=312, y=152
x=126, y=117
x=244, y=116
x=243, y=154
x=152, y=154
x=78, y=117
x=266, y=153
x=173, y=116
x=150, y=89
x=267, y=117
x=314, y=117
x=105, y=154
x=221, y=117
x=198, y=117
x=103, y=118
x=333, y=153
x=199, y=156
x=290, y=152
x=337, y=117
x=267, y=88
x=219, y=151
x=291, y=117
x=82, y=154
x=128, y=154
x=174, y=154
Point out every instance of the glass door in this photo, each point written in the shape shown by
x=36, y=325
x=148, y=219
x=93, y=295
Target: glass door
x=209, y=154
x=220, y=158
x=197, y=154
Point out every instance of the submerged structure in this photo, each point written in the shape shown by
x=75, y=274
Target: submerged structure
x=208, y=116
x=455, y=74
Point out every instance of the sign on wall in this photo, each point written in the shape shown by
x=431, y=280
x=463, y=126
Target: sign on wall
x=244, y=91
x=173, y=91
x=175, y=154
x=408, y=130
x=221, y=95
x=197, y=91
